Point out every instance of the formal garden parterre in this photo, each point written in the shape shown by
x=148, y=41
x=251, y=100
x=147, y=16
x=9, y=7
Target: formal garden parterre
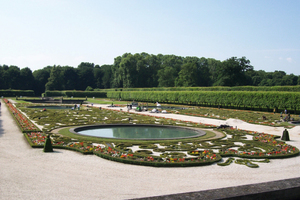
x=238, y=146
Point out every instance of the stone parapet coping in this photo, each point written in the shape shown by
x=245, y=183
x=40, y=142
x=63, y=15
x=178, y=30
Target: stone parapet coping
x=282, y=189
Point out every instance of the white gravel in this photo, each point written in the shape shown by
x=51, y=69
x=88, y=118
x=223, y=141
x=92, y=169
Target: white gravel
x=27, y=173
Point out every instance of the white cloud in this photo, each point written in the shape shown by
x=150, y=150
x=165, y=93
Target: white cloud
x=289, y=60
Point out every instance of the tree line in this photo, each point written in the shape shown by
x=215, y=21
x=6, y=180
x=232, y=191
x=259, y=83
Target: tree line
x=142, y=70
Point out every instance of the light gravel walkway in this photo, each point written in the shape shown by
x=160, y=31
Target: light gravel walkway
x=27, y=173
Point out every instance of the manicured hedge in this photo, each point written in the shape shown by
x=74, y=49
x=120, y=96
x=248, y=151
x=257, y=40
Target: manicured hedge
x=14, y=93
x=227, y=98
x=218, y=88
x=70, y=93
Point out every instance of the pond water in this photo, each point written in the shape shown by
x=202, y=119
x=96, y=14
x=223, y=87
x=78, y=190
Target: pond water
x=50, y=107
x=138, y=132
x=295, y=123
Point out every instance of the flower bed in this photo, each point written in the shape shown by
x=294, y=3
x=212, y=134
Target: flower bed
x=36, y=139
x=23, y=122
x=110, y=153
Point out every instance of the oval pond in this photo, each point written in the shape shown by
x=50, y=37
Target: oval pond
x=143, y=132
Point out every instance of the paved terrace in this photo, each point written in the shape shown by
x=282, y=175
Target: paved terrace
x=27, y=173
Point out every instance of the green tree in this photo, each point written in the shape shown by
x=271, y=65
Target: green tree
x=188, y=75
x=277, y=77
x=13, y=77
x=85, y=75
x=98, y=76
x=128, y=71
x=55, y=81
x=167, y=77
x=26, y=79
x=117, y=80
x=289, y=80
x=106, y=72
x=3, y=77
x=152, y=67
x=213, y=67
x=169, y=69
x=41, y=77
x=70, y=78
x=232, y=72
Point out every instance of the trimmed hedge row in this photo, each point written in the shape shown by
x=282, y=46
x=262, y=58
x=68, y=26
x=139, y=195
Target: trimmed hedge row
x=218, y=88
x=14, y=93
x=218, y=98
x=70, y=93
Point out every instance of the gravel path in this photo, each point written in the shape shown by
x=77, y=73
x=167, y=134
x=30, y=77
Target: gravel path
x=27, y=173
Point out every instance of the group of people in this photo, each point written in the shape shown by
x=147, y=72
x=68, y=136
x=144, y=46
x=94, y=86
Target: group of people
x=76, y=106
x=287, y=117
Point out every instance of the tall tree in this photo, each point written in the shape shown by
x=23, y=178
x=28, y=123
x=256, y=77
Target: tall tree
x=13, y=77
x=40, y=79
x=289, y=80
x=232, y=72
x=168, y=72
x=70, y=78
x=188, y=75
x=98, y=76
x=106, y=72
x=152, y=66
x=55, y=81
x=213, y=66
x=27, y=79
x=167, y=77
x=3, y=79
x=85, y=75
x=117, y=80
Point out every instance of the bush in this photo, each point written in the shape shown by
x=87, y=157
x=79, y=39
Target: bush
x=48, y=145
x=14, y=93
x=285, y=136
x=89, y=88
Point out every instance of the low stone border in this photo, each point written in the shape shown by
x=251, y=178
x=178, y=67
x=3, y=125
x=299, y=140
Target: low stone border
x=282, y=189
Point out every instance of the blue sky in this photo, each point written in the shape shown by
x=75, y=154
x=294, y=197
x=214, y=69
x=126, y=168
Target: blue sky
x=37, y=33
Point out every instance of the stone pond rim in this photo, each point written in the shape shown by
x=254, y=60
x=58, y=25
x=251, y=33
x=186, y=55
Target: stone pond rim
x=297, y=123
x=88, y=127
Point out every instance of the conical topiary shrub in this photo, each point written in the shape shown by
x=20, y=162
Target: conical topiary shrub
x=285, y=135
x=48, y=145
